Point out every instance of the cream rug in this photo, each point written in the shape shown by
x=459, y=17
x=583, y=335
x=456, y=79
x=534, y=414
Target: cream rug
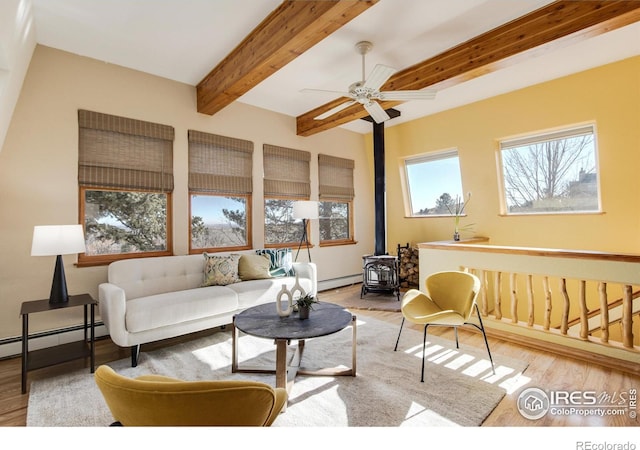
x=459, y=387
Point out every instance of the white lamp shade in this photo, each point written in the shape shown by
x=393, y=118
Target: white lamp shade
x=305, y=209
x=57, y=240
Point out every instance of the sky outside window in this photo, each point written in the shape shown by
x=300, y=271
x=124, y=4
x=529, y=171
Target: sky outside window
x=430, y=179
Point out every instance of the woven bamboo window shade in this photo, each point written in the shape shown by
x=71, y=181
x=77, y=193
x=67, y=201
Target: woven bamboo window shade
x=286, y=172
x=117, y=152
x=335, y=177
x=219, y=164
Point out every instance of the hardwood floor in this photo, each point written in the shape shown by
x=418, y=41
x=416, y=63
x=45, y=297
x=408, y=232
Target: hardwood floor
x=546, y=371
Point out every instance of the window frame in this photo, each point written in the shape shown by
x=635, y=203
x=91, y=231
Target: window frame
x=248, y=246
x=85, y=260
x=335, y=242
x=424, y=158
x=541, y=137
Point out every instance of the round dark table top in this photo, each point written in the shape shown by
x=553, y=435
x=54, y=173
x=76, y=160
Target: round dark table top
x=263, y=321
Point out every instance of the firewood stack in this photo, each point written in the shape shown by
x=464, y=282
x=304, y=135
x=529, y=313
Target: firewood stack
x=409, y=274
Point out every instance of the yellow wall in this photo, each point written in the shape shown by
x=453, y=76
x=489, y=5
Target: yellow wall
x=38, y=171
x=609, y=96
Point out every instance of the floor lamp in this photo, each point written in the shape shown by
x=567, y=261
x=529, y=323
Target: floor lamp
x=58, y=240
x=305, y=210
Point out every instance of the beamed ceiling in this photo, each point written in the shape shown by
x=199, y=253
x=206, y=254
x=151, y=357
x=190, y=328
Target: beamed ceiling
x=272, y=45
x=264, y=52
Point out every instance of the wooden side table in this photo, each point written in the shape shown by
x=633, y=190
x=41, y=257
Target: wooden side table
x=49, y=356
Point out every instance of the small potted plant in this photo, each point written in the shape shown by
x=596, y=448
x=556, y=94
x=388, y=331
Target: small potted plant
x=305, y=304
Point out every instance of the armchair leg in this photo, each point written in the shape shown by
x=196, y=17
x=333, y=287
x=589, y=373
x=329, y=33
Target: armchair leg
x=456, y=331
x=486, y=342
x=398, y=340
x=424, y=344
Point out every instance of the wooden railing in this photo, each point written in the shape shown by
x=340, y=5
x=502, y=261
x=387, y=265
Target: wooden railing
x=581, y=303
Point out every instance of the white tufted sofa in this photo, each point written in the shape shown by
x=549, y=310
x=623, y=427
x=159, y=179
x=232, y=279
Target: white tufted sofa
x=149, y=299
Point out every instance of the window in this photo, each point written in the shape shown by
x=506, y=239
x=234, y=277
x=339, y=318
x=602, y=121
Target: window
x=286, y=179
x=335, y=176
x=433, y=183
x=551, y=173
x=125, y=173
x=220, y=186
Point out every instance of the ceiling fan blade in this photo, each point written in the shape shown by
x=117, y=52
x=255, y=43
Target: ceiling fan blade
x=378, y=76
x=325, y=91
x=376, y=112
x=426, y=94
x=334, y=110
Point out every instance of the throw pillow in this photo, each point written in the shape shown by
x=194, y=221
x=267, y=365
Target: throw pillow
x=220, y=270
x=253, y=267
x=280, y=261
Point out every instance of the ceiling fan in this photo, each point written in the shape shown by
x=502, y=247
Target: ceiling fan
x=366, y=92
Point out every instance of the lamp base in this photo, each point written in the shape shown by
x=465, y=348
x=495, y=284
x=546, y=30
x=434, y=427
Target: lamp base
x=305, y=239
x=59, y=292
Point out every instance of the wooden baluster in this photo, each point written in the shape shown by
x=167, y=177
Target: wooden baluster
x=514, y=298
x=564, y=323
x=530, y=321
x=496, y=295
x=484, y=307
x=627, y=312
x=604, y=312
x=547, y=303
x=584, y=319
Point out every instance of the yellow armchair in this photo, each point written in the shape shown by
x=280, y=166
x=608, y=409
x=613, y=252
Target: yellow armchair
x=155, y=400
x=449, y=300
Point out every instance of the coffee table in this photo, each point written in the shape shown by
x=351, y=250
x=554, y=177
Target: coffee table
x=263, y=321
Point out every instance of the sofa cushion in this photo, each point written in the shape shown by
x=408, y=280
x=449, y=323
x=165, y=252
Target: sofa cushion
x=280, y=261
x=220, y=270
x=253, y=267
x=155, y=311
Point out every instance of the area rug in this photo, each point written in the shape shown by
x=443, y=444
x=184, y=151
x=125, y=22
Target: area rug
x=349, y=297
x=459, y=388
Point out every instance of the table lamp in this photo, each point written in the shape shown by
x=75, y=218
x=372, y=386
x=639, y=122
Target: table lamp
x=305, y=210
x=49, y=240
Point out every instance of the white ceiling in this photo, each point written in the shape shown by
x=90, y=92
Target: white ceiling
x=184, y=39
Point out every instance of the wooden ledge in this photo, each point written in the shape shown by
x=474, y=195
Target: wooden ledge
x=474, y=246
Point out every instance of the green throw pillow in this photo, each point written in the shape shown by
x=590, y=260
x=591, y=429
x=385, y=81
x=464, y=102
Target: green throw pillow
x=220, y=270
x=280, y=261
x=253, y=267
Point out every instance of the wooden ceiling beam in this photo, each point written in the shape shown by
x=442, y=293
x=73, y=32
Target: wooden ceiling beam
x=286, y=33
x=550, y=27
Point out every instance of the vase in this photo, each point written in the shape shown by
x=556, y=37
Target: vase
x=456, y=236
x=284, y=294
x=297, y=291
x=304, y=312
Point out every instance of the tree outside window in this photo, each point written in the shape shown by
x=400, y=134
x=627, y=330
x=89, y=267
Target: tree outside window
x=124, y=222
x=551, y=173
x=218, y=222
x=280, y=229
x=334, y=221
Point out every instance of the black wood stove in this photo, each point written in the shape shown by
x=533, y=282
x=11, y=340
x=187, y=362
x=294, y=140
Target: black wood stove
x=380, y=273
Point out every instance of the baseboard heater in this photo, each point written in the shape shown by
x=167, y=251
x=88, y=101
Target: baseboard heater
x=12, y=346
x=333, y=283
